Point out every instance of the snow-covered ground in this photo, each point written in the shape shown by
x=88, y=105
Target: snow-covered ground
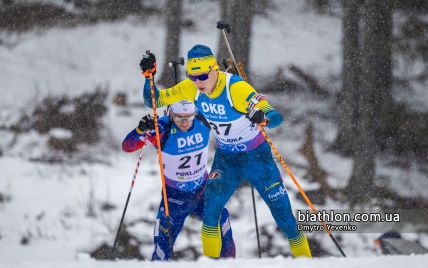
x=279, y=262
x=52, y=214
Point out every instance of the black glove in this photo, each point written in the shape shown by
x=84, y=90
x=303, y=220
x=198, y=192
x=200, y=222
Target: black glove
x=256, y=116
x=146, y=123
x=148, y=64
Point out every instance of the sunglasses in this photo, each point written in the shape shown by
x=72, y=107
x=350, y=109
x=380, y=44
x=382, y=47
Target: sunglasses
x=201, y=77
x=183, y=119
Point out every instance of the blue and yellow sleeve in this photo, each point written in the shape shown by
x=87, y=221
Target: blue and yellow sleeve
x=185, y=90
x=242, y=93
x=246, y=98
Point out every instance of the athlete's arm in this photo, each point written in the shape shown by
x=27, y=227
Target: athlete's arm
x=245, y=98
x=185, y=90
x=136, y=139
x=133, y=141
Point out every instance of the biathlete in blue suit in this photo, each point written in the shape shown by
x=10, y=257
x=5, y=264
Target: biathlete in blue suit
x=233, y=108
x=184, y=142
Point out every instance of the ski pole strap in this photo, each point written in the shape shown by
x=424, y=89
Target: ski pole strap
x=203, y=120
x=165, y=137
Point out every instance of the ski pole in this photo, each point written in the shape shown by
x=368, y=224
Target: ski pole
x=174, y=63
x=165, y=196
x=255, y=222
x=308, y=201
x=224, y=26
x=126, y=205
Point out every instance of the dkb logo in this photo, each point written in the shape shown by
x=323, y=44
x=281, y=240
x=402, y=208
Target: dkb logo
x=190, y=140
x=213, y=108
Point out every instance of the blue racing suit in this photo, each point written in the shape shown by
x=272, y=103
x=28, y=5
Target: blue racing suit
x=184, y=156
x=242, y=154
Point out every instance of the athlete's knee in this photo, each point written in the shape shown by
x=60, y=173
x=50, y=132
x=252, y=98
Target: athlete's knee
x=212, y=215
x=275, y=195
x=213, y=211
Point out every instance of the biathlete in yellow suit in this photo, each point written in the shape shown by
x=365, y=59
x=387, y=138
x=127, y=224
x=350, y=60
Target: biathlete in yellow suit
x=233, y=108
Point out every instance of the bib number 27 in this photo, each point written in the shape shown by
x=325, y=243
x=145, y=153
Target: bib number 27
x=216, y=128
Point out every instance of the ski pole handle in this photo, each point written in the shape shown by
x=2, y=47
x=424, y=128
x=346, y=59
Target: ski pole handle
x=223, y=26
x=174, y=63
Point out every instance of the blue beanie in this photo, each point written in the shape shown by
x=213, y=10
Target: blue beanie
x=199, y=51
x=200, y=59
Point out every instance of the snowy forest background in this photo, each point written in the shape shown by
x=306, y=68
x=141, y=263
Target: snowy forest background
x=349, y=77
